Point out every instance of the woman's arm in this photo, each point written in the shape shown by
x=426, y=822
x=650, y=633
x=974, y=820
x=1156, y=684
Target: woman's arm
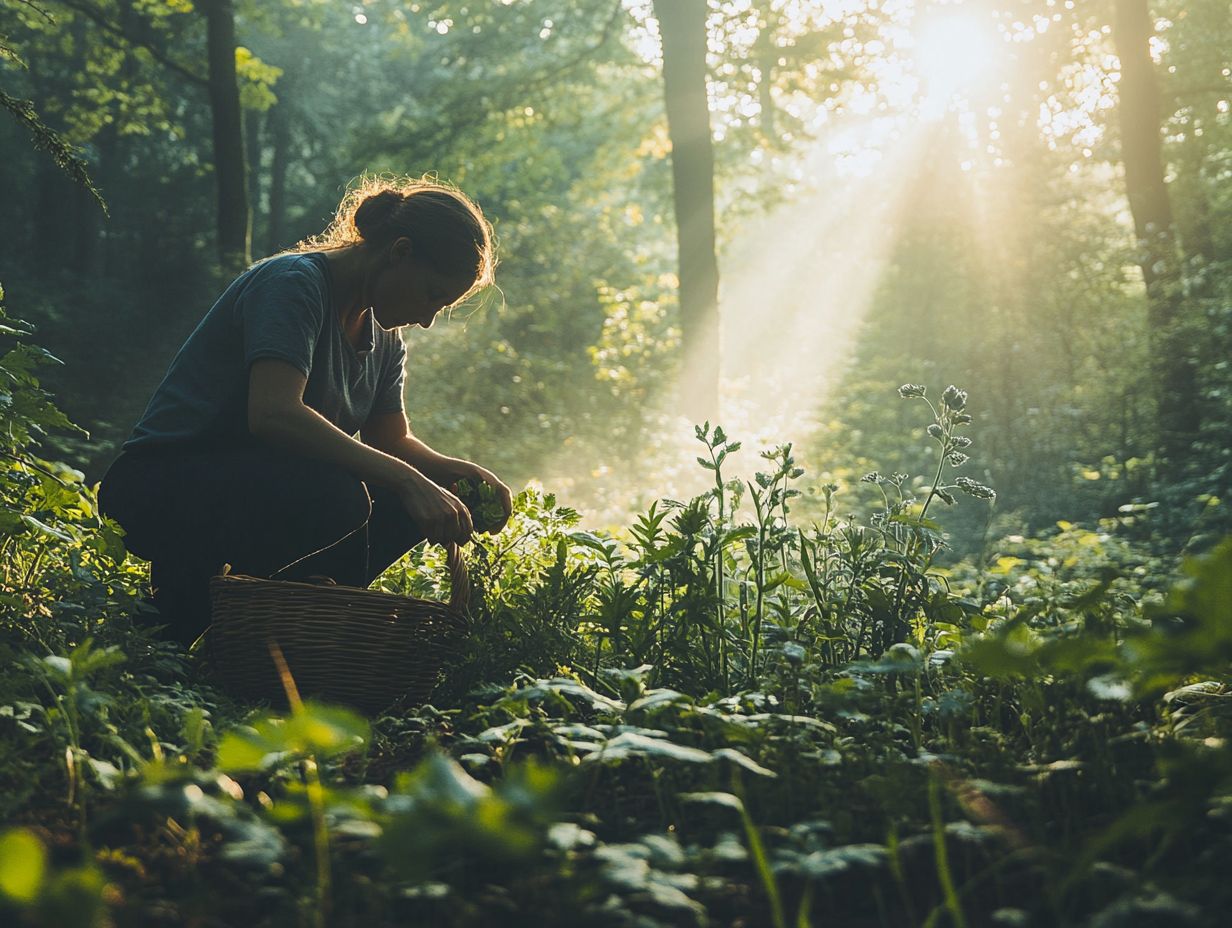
x=390, y=433
x=277, y=415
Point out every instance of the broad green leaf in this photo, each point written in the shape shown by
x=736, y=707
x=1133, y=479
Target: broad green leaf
x=567, y=836
x=1206, y=591
x=326, y=730
x=59, y=666
x=575, y=730
x=743, y=760
x=656, y=699
x=499, y=734
x=319, y=730
x=567, y=688
x=827, y=862
x=804, y=720
x=245, y=749
x=630, y=744
x=441, y=779
x=23, y=863
x=45, y=529
x=727, y=800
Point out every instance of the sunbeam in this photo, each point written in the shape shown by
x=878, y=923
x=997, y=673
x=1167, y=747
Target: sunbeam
x=796, y=285
x=954, y=50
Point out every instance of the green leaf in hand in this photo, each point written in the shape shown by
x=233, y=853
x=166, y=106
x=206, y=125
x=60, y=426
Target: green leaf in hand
x=482, y=501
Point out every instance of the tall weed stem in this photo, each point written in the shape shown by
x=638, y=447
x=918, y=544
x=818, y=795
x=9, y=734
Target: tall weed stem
x=942, y=855
x=761, y=861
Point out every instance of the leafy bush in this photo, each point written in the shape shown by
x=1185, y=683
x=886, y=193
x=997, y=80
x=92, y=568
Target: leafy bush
x=721, y=716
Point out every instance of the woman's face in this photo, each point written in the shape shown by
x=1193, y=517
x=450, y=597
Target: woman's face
x=408, y=291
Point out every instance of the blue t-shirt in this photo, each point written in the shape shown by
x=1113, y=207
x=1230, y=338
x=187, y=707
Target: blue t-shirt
x=279, y=308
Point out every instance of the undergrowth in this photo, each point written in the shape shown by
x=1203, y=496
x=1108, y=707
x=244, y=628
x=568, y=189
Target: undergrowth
x=725, y=716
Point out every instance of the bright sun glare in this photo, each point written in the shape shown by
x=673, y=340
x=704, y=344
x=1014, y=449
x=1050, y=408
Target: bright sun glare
x=953, y=51
x=798, y=282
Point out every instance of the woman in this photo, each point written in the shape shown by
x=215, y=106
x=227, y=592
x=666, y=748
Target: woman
x=247, y=455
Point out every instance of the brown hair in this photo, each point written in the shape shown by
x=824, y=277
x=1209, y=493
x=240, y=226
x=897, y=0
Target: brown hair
x=444, y=225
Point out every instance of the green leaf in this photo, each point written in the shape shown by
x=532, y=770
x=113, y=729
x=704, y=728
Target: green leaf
x=242, y=749
x=1002, y=656
x=23, y=864
x=45, y=529
x=630, y=744
x=739, y=533
x=604, y=546
x=58, y=666
x=441, y=779
x=501, y=734
x=322, y=731
x=743, y=760
x=1206, y=591
x=836, y=860
x=561, y=686
x=326, y=730
x=656, y=699
x=776, y=581
x=726, y=800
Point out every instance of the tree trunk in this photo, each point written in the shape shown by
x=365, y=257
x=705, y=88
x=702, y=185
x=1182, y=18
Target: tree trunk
x=234, y=219
x=767, y=61
x=254, y=152
x=682, y=25
x=1142, y=155
x=280, y=141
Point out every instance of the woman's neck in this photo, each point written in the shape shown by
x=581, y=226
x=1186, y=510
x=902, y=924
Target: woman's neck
x=349, y=266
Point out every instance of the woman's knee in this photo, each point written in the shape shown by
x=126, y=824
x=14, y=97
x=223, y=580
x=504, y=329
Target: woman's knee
x=125, y=495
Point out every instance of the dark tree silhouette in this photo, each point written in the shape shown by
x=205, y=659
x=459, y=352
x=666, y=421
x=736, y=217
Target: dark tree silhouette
x=682, y=26
x=1143, y=160
x=234, y=217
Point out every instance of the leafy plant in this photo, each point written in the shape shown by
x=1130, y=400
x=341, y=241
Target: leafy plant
x=482, y=502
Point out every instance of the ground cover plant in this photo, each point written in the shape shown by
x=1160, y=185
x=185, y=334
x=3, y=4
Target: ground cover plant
x=730, y=714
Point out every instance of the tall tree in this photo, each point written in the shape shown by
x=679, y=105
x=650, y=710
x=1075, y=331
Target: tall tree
x=127, y=26
x=234, y=216
x=682, y=26
x=1147, y=190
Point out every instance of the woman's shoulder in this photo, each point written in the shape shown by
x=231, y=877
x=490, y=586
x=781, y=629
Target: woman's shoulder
x=285, y=282
x=294, y=274
x=291, y=263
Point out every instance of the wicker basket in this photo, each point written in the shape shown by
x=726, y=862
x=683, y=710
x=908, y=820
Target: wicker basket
x=341, y=644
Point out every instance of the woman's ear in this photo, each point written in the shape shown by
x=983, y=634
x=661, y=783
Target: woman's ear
x=401, y=249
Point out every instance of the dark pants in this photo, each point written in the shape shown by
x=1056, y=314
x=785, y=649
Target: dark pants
x=189, y=511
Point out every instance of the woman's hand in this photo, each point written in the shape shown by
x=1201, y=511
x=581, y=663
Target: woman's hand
x=465, y=469
x=439, y=514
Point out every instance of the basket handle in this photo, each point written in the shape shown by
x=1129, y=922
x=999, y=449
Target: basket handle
x=459, y=579
x=459, y=576
x=332, y=544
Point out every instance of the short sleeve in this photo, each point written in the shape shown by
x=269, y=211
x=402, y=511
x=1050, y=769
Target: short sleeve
x=282, y=312
x=393, y=375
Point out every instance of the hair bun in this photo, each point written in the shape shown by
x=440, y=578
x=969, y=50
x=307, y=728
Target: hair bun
x=375, y=211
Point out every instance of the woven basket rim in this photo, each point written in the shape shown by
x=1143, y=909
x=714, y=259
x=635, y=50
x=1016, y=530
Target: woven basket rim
x=411, y=638
x=330, y=590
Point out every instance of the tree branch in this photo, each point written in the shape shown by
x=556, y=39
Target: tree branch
x=92, y=13
x=46, y=139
